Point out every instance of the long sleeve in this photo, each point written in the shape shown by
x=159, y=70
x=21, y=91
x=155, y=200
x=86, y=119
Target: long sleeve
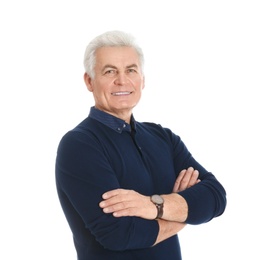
x=102, y=155
x=205, y=200
x=83, y=175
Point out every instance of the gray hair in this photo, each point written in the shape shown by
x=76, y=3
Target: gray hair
x=109, y=39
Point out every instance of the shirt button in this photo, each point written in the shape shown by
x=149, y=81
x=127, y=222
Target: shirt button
x=124, y=125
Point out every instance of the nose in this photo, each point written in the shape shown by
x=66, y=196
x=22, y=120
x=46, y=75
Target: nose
x=121, y=79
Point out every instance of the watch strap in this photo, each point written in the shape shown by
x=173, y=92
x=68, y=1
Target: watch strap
x=160, y=210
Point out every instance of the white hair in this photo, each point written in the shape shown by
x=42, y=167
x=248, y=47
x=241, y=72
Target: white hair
x=109, y=39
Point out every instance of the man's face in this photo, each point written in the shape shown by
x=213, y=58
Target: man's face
x=118, y=81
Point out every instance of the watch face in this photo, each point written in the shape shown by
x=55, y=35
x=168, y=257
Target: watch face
x=157, y=199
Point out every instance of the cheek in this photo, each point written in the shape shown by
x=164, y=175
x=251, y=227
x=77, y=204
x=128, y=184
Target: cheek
x=101, y=93
x=139, y=83
x=100, y=87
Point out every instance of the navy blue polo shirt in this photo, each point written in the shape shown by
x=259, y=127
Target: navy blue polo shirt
x=103, y=153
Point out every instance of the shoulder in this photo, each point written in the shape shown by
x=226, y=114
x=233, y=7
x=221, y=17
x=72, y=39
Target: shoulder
x=155, y=129
x=84, y=132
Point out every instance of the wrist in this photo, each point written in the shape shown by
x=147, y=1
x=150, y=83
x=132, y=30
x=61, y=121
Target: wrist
x=158, y=201
x=175, y=208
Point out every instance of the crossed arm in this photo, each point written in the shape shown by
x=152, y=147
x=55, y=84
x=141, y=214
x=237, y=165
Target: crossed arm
x=122, y=202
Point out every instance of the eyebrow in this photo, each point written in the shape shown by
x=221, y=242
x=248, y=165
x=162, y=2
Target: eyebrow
x=107, y=66
x=132, y=66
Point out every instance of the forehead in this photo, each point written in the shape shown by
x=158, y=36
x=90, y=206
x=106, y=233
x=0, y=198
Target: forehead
x=117, y=56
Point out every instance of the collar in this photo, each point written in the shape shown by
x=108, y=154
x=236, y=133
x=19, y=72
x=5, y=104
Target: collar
x=111, y=121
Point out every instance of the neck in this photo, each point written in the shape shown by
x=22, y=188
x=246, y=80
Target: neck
x=124, y=115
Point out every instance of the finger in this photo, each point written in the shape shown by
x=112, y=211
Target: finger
x=186, y=179
x=113, y=200
x=119, y=196
x=127, y=212
x=178, y=181
x=117, y=207
x=121, y=206
x=113, y=193
x=193, y=178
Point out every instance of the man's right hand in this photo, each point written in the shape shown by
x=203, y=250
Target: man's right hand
x=186, y=179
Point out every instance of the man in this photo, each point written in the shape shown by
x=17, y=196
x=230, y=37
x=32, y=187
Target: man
x=127, y=188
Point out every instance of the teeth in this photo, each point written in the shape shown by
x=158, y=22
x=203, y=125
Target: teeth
x=121, y=93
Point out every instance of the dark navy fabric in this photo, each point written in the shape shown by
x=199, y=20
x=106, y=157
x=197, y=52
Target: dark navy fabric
x=104, y=153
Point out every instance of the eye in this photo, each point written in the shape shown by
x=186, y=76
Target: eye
x=131, y=71
x=110, y=72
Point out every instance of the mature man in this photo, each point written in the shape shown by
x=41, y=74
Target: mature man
x=127, y=188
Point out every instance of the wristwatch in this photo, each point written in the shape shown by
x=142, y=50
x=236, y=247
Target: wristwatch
x=158, y=201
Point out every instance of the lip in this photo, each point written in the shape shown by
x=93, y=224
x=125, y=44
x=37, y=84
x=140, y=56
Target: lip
x=121, y=93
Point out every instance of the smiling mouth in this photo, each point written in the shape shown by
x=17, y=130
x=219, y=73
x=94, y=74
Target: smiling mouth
x=121, y=93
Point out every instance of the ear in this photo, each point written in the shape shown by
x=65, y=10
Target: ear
x=88, y=82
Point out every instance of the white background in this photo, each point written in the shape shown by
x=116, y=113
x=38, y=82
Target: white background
x=208, y=69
